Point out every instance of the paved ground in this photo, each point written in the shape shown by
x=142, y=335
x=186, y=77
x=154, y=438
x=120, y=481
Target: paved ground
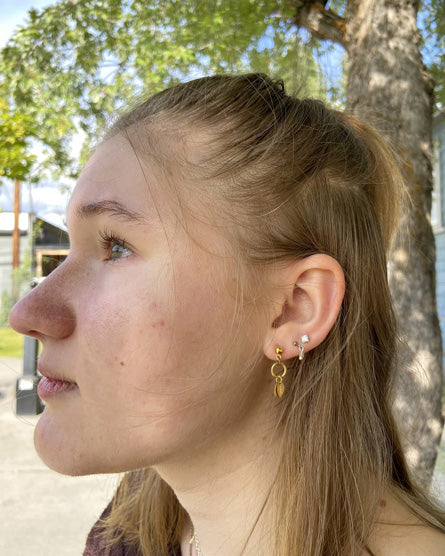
x=43, y=513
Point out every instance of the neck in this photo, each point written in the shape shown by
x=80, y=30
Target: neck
x=226, y=511
x=224, y=491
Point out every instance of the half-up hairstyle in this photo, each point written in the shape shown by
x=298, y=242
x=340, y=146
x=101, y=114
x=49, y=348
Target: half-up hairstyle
x=292, y=178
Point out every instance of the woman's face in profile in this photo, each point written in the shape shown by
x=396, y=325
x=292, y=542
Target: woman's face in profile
x=137, y=317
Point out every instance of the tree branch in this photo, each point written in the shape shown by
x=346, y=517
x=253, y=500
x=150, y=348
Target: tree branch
x=322, y=23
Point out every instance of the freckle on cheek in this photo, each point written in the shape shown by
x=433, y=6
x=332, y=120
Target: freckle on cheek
x=122, y=364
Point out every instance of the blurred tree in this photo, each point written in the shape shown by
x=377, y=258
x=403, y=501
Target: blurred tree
x=15, y=131
x=432, y=19
x=74, y=63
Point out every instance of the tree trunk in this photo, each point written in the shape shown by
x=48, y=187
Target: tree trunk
x=389, y=86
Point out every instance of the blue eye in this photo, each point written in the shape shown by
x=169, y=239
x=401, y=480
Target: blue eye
x=119, y=251
x=114, y=247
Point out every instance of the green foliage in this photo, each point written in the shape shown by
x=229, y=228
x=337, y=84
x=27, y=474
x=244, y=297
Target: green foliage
x=432, y=18
x=20, y=286
x=74, y=63
x=21, y=278
x=15, y=130
x=6, y=304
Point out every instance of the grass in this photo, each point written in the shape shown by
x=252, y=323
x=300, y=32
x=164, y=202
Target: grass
x=11, y=343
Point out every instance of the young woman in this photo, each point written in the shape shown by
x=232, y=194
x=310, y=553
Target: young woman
x=222, y=331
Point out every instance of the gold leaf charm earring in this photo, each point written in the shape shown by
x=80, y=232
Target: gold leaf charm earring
x=279, y=386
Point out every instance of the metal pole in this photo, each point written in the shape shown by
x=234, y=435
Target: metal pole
x=27, y=400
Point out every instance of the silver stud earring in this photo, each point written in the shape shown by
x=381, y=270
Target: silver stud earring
x=304, y=340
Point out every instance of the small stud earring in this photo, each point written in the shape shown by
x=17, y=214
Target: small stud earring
x=304, y=340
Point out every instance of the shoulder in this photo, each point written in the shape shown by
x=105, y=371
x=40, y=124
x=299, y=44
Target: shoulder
x=96, y=544
x=409, y=540
x=398, y=532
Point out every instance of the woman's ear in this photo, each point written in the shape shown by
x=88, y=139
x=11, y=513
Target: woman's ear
x=308, y=298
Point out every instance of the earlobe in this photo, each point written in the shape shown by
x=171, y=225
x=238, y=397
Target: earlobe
x=309, y=296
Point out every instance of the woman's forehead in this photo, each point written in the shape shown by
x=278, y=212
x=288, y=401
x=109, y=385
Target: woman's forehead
x=119, y=183
x=113, y=177
x=113, y=159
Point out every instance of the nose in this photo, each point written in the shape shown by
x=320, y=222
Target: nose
x=45, y=311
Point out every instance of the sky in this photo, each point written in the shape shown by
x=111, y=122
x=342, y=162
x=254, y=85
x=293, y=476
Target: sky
x=13, y=13
x=45, y=199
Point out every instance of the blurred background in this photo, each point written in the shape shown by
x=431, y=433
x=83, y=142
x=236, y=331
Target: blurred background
x=67, y=66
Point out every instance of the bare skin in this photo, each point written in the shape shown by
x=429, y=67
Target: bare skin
x=398, y=532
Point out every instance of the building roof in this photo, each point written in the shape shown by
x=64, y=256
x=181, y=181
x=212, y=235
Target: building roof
x=7, y=222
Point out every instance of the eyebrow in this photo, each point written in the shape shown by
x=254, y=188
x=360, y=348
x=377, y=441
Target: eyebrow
x=112, y=208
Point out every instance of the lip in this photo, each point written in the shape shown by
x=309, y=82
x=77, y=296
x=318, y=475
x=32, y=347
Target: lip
x=49, y=387
x=51, y=383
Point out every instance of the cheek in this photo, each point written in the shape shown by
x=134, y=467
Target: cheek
x=151, y=341
x=125, y=328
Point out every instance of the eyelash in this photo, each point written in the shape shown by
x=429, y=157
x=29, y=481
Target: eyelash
x=108, y=240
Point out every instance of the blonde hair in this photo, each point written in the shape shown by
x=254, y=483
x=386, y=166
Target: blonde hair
x=297, y=178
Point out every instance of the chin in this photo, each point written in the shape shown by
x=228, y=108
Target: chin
x=66, y=452
x=57, y=450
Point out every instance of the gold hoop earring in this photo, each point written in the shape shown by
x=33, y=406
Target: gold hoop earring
x=279, y=386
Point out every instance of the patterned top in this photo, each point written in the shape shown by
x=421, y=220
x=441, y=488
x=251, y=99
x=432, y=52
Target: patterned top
x=95, y=545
